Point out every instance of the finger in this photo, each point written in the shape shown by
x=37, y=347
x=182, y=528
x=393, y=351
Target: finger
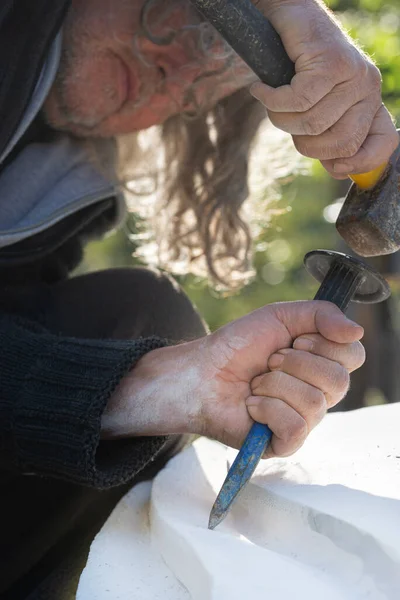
x=329, y=166
x=316, y=316
x=324, y=374
x=350, y=356
x=328, y=111
x=304, y=91
x=377, y=148
x=289, y=428
x=343, y=140
x=334, y=326
x=305, y=398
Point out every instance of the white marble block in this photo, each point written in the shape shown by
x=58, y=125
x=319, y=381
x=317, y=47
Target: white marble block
x=321, y=525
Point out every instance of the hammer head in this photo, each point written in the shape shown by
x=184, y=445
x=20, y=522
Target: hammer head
x=369, y=221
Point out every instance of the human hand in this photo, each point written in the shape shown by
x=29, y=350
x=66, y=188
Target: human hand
x=217, y=385
x=333, y=107
x=257, y=375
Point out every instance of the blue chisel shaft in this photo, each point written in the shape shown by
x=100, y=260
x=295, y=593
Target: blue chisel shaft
x=242, y=469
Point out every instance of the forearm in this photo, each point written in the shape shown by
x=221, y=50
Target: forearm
x=160, y=396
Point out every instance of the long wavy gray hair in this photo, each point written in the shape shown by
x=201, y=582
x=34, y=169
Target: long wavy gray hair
x=203, y=178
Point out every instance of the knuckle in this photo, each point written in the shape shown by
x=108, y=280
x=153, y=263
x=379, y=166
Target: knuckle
x=303, y=101
x=375, y=103
x=374, y=77
x=348, y=144
x=346, y=148
x=360, y=69
x=296, y=429
x=316, y=401
x=363, y=126
x=313, y=125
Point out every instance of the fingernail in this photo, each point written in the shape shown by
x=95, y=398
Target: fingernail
x=275, y=361
x=302, y=344
x=343, y=168
x=253, y=401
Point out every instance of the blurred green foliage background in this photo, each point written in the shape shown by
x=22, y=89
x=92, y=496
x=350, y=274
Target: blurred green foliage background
x=307, y=218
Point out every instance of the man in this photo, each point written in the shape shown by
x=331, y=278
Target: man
x=101, y=375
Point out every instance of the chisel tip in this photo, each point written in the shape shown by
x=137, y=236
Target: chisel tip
x=215, y=519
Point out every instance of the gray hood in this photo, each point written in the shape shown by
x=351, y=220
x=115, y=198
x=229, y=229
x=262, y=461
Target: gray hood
x=48, y=181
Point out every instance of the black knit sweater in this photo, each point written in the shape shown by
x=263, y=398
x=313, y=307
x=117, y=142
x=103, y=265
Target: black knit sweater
x=53, y=393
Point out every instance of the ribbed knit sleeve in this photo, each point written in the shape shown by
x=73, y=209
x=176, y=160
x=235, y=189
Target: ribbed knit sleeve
x=53, y=393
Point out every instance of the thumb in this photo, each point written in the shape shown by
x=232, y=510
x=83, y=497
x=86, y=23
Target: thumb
x=316, y=316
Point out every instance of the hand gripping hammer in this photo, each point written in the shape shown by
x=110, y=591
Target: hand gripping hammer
x=369, y=221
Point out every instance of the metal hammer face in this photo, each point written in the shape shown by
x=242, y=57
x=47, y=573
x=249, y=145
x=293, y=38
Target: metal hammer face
x=369, y=221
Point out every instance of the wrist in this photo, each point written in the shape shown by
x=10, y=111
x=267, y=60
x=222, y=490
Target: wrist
x=160, y=396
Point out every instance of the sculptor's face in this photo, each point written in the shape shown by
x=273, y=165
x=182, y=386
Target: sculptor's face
x=131, y=64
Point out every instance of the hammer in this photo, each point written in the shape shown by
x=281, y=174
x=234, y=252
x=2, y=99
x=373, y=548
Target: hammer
x=369, y=221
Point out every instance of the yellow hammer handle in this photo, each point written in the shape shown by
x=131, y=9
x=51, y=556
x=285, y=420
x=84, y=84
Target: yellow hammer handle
x=368, y=180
